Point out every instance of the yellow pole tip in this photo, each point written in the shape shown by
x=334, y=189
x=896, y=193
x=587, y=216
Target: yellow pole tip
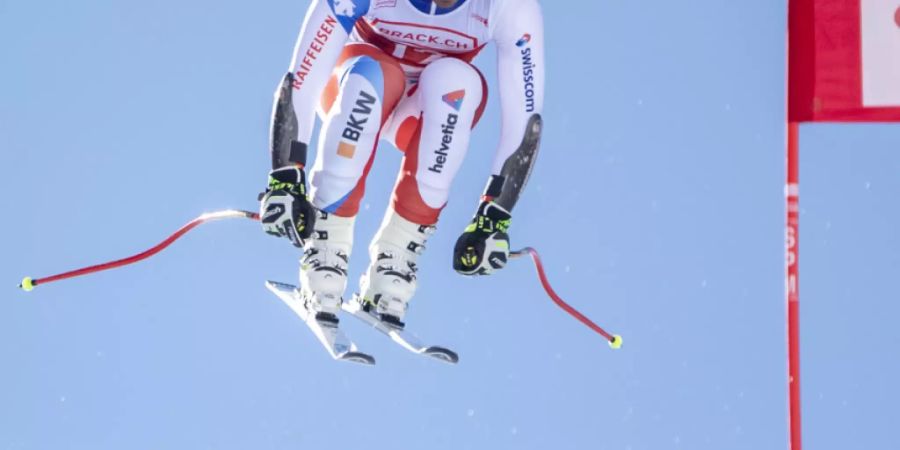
x=27, y=284
x=616, y=342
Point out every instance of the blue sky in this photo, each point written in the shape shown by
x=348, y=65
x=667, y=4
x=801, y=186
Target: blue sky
x=656, y=204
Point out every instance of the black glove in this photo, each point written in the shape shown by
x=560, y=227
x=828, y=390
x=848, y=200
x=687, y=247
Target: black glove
x=484, y=245
x=284, y=210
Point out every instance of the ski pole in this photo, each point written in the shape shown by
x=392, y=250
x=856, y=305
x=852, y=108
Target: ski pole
x=615, y=341
x=30, y=283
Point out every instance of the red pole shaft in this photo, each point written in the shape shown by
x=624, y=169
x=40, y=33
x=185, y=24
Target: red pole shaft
x=228, y=214
x=556, y=298
x=792, y=280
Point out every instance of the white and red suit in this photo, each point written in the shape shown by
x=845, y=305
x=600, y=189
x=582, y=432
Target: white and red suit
x=401, y=70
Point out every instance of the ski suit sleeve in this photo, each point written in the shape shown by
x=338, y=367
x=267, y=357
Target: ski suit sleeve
x=519, y=35
x=325, y=30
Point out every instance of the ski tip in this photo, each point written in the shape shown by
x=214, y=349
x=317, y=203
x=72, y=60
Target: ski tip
x=442, y=354
x=616, y=342
x=27, y=284
x=358, y=357
x=279, y=285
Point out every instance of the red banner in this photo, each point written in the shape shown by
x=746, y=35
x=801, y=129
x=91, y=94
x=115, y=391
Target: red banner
x=844, y=61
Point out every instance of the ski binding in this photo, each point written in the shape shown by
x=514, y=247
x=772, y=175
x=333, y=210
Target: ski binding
x=400, y=336
x=326, y=331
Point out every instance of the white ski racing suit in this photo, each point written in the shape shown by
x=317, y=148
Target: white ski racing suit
x=400, y=69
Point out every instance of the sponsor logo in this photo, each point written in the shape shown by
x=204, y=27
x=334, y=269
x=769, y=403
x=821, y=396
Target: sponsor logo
x=526, y=38
x=385, y=3
x=455, y=99
x=344, y=8
x=480, y=19
x=440, y=155
x=355, y=125
x=308, y=59
x=272, y=211
x=528, y=78
x=426, y=38
x=347, y=11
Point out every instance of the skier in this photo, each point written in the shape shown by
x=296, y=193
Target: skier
x=399, y=70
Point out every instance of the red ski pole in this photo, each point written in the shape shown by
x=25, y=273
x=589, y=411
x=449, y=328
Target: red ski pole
x=30, y=283
x=615, y=341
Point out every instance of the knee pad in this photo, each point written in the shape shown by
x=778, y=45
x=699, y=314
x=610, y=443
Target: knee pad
x=382, y=71
x=454, y=81
x=450, y=72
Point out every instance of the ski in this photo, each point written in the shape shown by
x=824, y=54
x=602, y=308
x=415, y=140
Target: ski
x=402, y=337
x=327, y=332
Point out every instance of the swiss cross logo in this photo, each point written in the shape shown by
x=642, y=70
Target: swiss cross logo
x=344, y=7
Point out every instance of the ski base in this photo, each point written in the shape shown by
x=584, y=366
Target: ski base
x=338, y=345
x=401, y=337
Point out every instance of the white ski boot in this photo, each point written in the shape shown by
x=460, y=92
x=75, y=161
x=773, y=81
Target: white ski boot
x=390, y=281
x=323, y=267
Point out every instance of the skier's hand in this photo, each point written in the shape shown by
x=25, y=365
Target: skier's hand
x=284, y=209
x=484, y=245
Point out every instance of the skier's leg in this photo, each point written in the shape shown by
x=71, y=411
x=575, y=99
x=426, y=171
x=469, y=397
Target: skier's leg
x=449, y=100
x=364, y=89
x=451, y=97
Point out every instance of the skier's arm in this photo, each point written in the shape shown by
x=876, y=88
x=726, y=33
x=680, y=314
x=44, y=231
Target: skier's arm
x=325, y=30
x=519, y=35
x=285, y=209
